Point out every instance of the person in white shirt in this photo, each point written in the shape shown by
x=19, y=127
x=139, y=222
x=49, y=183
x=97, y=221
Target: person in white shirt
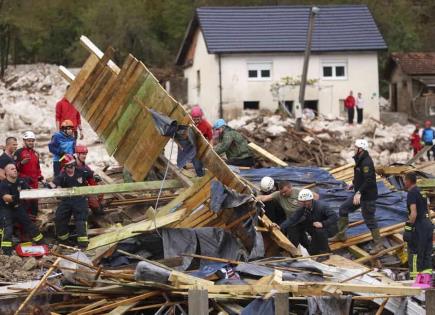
x=359, y=108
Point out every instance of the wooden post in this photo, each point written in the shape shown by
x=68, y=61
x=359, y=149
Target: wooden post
x=430, y=301
x=198, y=302
x=281, y=304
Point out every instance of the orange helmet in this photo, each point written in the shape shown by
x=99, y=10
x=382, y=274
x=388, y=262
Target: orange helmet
x=67, y=123
x=67, y=159
x=81, y=149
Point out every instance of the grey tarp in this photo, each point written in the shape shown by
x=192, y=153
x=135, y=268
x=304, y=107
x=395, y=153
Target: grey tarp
x=260, y=307
x=329, y=305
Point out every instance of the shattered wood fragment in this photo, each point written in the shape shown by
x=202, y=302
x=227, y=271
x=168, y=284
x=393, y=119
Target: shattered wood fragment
x=267, y=155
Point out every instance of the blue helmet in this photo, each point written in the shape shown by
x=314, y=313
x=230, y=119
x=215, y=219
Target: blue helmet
x=219, y=123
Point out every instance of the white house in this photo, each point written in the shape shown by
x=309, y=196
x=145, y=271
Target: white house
x=232, y=55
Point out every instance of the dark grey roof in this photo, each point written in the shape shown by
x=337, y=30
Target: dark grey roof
x=284, y=29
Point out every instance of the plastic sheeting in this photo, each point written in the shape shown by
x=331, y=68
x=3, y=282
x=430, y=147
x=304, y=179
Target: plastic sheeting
x=390, y=206
x=299, y=176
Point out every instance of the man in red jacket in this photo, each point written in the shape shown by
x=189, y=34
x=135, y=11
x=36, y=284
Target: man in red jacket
x=66, y=111
x=201, y=123
x=349, y=103
x=27, y=162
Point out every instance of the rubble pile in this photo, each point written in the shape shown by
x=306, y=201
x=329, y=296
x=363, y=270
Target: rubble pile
x=28, y=95
x=324, y=141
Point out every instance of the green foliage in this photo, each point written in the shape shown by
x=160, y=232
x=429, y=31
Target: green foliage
x=152, y=30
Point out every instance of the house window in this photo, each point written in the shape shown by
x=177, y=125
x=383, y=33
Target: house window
x=259, y=70
x=288, y=105
x=334, y=70
x=251, y=105
x=198, y=82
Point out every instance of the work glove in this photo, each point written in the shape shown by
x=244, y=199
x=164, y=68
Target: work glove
x=409, y=229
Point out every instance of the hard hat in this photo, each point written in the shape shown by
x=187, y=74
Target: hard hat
x=219, y=123
x=196, y=112
x=67, y=123
x=67, y=159
x=81, y=149
x=29, y=135
x=362, y=144
x=267, y=183
x=305, y=195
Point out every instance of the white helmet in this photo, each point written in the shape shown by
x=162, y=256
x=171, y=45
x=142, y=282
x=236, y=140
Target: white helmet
x=267, y=183
x=305, y=195
x=29, y=135
x=362, y=144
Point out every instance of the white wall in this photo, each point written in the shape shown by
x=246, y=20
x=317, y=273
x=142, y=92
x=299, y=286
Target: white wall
x=208, y=95
x=362, y=76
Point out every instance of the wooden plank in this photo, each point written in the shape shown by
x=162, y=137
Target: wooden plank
x=98, y=189
x=89, y=307
x=279, y=237
x=93, y=49
x=282, y=305
x=122, y=309
x=140, y=297
x=380, y=254
x=259, y=150
x=358, y=252
x=311, y=288
x=131, y=229
x=420, y=154
x=66, y=74
x=198, y=302
x=430, y=301
x=177, y=277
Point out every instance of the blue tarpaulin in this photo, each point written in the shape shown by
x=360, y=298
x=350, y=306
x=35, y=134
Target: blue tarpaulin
x=390, y=206
x=299, y=176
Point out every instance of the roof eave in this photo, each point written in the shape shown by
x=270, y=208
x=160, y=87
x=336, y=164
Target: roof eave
x=187, y=40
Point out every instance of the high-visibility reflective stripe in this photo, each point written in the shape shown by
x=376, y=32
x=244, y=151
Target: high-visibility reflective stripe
x=414, y=271
x=82, y=239
x=38, y=237
x=63, y=237
x=408, y=228
x=6, y=244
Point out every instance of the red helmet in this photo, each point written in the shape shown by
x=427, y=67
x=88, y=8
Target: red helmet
x=81, y=148
x=67, y=159
x=196, y=112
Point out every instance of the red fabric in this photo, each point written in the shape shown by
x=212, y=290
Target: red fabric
x=349, y=102
x=31, y=169
x=205, y=127
x=416, y=142
x=65, y=110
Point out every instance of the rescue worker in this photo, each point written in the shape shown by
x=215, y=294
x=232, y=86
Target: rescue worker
x=428, y=137
x=76, y=206
x=8, y=155
x=233, y=144
x=27, y=162
x=313, y=219
x=94, y=202
x=62, y=142
x=366, y=193
x=201, y=123
x=12, y=210
x=66, y=111
x=278, y=204
x=418, y=234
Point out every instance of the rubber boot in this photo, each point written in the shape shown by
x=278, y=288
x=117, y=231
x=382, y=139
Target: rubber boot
x=343, y=223
x=378, y=242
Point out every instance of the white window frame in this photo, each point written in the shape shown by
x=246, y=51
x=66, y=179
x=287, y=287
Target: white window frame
x=334, y=65
x=258, y=66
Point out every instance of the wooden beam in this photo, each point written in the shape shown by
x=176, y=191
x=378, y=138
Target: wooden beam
x=420, y=154
x=98, y=189
x=198, y=302
x=280, y=239
x=358, y=252
x=93, y=49
x=430, y=301
x=259, y=150
x=381, y=253
x=131, y=230
x=66, y=74
x=281, y=304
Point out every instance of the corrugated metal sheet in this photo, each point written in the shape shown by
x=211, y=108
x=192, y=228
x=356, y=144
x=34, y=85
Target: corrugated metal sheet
x=284, y=29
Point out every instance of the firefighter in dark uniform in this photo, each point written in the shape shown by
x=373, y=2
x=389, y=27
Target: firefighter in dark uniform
x=418, y=233
x=366, y=193
x=77, y=206
x=12, y=210
x=313, y=218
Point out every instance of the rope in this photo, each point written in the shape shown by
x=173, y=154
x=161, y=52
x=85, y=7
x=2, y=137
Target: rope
x=161, y=187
